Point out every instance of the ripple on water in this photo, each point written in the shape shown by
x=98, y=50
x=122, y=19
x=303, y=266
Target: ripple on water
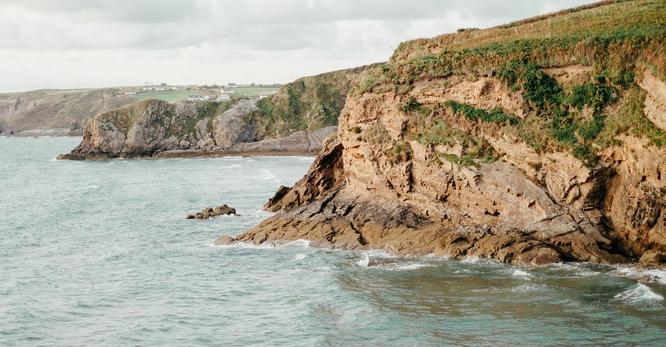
x=119, y=266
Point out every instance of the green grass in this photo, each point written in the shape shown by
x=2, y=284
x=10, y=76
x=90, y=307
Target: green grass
x=253, y=91
x=496, y=115
x=618, y=40
x=171, y=96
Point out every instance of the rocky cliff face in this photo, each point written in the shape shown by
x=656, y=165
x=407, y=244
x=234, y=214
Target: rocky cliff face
x=309, y=103
x=157, y=128
x=500, y=144
x=293, y=121
x=55, y=112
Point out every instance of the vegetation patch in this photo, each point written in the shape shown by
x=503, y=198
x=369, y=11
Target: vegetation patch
x=376, y=134
x=401, y=152
x=497, y=115
x=561, y=109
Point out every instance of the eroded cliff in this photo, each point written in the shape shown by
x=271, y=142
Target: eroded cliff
x=296, y=120
x=529, y=143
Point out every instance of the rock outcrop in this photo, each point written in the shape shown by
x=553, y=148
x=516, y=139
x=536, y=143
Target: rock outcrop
x=465, y=145
x=293, y=121
x=55, y=112
x=206, y=213
x=156, y=128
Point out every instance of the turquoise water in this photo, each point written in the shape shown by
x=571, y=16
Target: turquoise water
x=98, y=253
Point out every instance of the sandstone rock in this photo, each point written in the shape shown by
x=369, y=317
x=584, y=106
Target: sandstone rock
x=655, y=102
x=224, y=240
x=527, y=209
x=653, y=258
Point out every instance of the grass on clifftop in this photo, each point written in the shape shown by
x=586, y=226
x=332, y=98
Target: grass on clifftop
x=617, y=39
x=308, y=103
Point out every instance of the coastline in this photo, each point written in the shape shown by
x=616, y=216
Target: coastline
x=178, y=154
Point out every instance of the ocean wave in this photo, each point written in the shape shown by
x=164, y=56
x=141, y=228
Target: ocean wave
x=232, y=166
x=267, y=175
x=520, y=273
x=650, y=275
x=299, y=243
x=639, y=294
x=579, y=270
x=524, y=288
x=482, y=261
x=408, y=267
x=300, y=256
x=248, y=245
x=378, y=259
x=265, y=245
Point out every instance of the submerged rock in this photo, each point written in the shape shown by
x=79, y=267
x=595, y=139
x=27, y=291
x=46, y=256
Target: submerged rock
x=224, y=240
x=213, y=212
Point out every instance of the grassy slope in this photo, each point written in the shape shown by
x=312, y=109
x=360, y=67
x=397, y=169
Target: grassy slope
x=619, y=40
x=56, y=108
x=307, y=103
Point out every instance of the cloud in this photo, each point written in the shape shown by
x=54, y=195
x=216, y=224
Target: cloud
x=194, y=41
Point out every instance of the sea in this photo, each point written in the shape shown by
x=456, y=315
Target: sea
x=98, y=253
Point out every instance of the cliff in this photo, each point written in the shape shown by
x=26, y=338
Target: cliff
x=55, y=112
x=308, y=103
x=295, y=120
x=530, y=143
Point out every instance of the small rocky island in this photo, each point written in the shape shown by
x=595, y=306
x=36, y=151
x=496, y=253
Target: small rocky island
x=210, y=212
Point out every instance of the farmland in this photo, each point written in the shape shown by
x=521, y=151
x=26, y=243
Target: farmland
x=180, y=95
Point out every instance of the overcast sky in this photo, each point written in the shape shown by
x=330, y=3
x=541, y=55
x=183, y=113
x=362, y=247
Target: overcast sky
x=98, y=43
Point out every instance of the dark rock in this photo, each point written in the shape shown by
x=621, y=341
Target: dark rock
x=210, y=212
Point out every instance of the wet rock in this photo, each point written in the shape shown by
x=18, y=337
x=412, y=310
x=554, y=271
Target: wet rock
x=653, y=258
x=224, y=240
x=213, y=212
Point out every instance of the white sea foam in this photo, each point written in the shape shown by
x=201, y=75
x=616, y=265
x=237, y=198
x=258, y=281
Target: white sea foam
x=651, y=275
x=298, y=243
x=248, y=245
x=639, y=294
x=365, y=261
x=266, y=245
x=92, y=187
x=524, y=288
x=233, y=166
x=406, y=267
x=267, y=175
x=520, y=273
x=300, y=256
x=373, y=258
x=471, y=260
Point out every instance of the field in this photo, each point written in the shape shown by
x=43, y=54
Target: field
x=168, y=95
x=180, y=95
x=254, y=91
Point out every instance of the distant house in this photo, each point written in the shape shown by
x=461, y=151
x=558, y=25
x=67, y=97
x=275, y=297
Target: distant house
x=223, y=97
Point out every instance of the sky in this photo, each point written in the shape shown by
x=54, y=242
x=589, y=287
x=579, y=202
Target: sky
x=103, y=43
